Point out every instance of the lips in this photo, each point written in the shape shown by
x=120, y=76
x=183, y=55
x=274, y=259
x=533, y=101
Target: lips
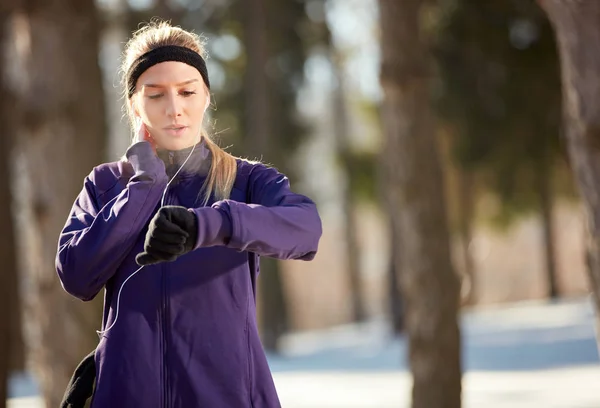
x=175, y=130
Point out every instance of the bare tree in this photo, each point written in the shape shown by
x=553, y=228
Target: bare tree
x=261, y=144
x=6, y=249
x=61, y=137
x=417, y=206
x=11, y=342
x=577, y=29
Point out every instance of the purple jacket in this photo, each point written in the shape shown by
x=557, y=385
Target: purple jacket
x=186, y=334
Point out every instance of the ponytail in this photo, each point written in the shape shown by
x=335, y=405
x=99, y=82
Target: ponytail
x=223, y=171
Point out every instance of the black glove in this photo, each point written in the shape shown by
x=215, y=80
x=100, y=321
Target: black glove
x=81, y=385
x=172, y=232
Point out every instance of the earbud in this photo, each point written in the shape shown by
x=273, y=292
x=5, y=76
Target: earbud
x=207, y=103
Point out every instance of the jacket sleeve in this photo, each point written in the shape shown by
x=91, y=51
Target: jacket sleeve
x=94, y=240
x=277, y=223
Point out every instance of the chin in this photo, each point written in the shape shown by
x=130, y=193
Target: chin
x=176, y=144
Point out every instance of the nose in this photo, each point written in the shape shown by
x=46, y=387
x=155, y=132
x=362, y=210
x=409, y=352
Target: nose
x=174, y=106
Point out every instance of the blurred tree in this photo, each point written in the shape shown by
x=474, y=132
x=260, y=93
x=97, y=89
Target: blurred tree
x=360, y=167
x=577, y=26
x=466, y=220
x=396, y=305
x=8, y=114
x=62, y=136
x=500, y=95
x=349, y=161
x=416, y=203
x=7, y=256
x=261, y=143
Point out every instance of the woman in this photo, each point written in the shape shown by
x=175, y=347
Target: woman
x=182, y=332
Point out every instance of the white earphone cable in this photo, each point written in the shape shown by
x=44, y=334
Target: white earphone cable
x=162, y=203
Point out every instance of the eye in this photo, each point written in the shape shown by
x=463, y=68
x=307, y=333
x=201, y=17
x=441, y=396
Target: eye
x=188, y=93
x=156, y=96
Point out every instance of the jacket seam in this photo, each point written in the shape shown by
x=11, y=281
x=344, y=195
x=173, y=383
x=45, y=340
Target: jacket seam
x=250, y=365
x=236, y=233
x=103, y=193
x=236, y=226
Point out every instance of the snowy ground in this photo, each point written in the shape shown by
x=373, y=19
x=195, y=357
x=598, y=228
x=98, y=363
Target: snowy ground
x=534, y=354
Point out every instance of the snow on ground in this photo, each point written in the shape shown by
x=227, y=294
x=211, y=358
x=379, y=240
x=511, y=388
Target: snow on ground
x=532, y=354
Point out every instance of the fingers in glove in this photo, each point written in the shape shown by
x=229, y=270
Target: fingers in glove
x=146, y=258
x=158, y=246
x=167, y=237
x=164, y=225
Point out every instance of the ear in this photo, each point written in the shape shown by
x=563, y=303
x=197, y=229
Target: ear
x=207, y=102
x=133, y=108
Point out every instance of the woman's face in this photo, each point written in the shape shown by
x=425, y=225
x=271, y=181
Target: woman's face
x=171, y=99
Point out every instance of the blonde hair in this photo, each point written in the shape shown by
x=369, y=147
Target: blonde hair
x=157, y=33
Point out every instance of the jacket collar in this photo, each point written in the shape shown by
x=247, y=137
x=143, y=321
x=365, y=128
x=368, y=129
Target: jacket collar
x=198, y=163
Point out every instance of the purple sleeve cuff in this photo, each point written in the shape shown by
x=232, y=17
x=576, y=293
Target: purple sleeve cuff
x=214, y=227
x=145, y=162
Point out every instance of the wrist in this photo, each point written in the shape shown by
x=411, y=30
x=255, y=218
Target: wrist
x=214, y=227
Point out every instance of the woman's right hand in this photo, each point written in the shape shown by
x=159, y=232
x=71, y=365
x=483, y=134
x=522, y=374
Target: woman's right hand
x=142, y=134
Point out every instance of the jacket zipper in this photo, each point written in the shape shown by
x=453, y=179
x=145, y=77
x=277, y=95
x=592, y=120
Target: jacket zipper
x=165, y=328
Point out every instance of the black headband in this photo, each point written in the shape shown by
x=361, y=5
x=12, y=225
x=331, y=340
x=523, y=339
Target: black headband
x=162, y=54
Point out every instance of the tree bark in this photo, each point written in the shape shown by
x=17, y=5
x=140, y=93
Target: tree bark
x=395, y=297
x=62, y=136
x=12, y=353
x=8, y=115
x=429, y=285
x=577, y=27
x=261, y=145
x=6, y=246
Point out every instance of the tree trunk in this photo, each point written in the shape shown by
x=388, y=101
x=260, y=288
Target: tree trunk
x=62, y=137
x=261, y=145
x=577, y=26
x=8, y=116
x=466, y=215
x=6, y=247
x=546, y=198
x=417, y=203
x=340, y=123
x=4, y=326
x=257, y=114
x=394, y=292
